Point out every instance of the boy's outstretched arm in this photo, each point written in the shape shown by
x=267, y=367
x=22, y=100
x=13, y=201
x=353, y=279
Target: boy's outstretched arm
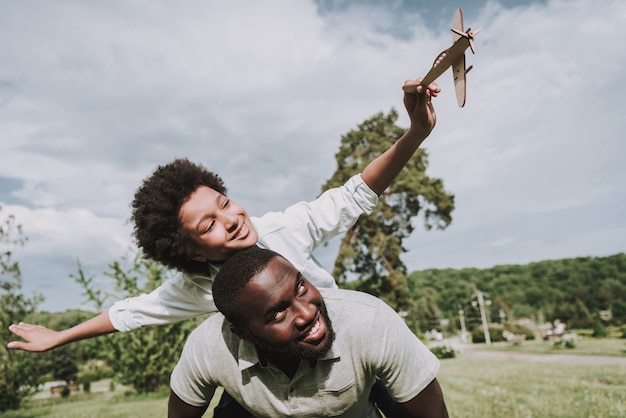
x=379, y=174
x=38, y=338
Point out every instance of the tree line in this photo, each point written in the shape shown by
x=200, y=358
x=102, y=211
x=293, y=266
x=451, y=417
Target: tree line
x=577, y=291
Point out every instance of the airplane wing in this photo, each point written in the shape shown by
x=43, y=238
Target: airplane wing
x=458, y=66
x=458, y=72
x=458, y=24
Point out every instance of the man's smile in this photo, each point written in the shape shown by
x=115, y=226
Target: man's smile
x=316, y=332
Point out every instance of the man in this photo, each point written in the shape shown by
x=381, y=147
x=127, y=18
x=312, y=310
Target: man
x=284, y=348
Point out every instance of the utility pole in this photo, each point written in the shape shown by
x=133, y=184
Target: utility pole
x=463, y=328
x=483, y=315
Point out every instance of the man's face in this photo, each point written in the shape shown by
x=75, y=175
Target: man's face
x=286, y=314
x=219, y=226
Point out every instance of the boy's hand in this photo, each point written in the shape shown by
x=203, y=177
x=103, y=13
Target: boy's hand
x=37, y=338
x=418, y=104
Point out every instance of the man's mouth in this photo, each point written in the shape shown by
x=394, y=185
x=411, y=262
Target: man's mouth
x=316, y=332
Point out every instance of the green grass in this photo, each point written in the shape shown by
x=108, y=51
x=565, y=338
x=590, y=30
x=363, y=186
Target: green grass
x=615, y=347
x=121, y=403
x=486, y=388
x=516, y=389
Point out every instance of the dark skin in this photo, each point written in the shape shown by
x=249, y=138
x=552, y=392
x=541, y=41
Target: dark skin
x=284, y=310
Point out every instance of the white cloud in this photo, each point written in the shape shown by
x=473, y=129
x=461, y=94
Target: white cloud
x=94, y=95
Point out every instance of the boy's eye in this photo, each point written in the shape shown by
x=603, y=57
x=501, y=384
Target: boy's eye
x=209, y=227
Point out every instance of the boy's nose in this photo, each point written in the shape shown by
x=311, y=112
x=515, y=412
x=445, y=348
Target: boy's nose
x=231, y=221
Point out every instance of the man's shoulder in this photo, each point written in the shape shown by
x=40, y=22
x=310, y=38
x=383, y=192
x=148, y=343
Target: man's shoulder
x=212, y=328
x=351, y=306
x=350, y=296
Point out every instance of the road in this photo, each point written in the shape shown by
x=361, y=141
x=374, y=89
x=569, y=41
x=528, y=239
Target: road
x=470, y=351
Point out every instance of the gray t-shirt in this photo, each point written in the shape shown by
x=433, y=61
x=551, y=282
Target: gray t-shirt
x=371, y=340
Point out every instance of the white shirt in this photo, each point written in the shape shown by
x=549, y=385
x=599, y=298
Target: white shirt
x=293, y=233
x=371, y=340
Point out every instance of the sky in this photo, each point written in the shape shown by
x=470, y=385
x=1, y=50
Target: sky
x=95, y=95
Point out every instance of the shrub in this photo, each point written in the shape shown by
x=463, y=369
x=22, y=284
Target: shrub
x=567, y=341
x=443, y=351
x=65, y=392
x=599, y=330
x=495, y=333
x=517, y=329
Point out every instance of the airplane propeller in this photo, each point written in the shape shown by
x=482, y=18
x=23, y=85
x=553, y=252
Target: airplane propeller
x=469, y=35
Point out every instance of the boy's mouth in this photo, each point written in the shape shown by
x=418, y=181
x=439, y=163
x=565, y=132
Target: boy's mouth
x=241, y=233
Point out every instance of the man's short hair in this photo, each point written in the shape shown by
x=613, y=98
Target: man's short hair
x=156, y=213
x=234, y=276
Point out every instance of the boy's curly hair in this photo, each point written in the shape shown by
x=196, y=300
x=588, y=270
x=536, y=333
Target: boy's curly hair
x=156, y=213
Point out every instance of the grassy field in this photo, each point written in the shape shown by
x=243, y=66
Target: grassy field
x=613, y=347
x=521, y=389
x=486, y=388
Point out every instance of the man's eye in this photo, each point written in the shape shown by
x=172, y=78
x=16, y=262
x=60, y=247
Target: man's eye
x=301, y=288
x=226, y=203
x=279, y=314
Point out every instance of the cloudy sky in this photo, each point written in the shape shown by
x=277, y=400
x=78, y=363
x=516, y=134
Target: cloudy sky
x=94, y=95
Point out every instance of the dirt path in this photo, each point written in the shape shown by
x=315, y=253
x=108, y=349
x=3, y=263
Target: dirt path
x=471, y=352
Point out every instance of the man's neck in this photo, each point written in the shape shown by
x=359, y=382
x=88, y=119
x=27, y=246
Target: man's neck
x=287, y=365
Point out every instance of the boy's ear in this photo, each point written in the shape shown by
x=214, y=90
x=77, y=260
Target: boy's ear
x=240, y=333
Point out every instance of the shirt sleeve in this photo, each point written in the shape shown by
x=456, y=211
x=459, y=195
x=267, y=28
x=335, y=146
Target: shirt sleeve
x=190, y=380
x=181, y=297
x=404, y=364
x=332, y=213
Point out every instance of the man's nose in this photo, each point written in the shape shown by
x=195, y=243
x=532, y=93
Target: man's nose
x=305, y=313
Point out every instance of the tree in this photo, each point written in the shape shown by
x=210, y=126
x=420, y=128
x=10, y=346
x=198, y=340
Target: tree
x=143, y=358
x=372, y=248
x=618, y=310
x=63, y=363
x=19, y=372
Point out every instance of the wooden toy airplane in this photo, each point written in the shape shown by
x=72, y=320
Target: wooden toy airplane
x=454, y=57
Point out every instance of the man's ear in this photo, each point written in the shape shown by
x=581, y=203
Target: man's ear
x=240, y=333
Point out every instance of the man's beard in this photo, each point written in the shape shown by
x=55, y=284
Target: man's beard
x=296, y=351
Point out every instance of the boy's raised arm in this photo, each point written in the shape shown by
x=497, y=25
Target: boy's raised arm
x=379, y=174
x=38, y=338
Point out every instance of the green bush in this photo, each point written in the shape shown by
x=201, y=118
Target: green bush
x=65, y=392
x=443, y=351
x=599, y=330
x=521, y=330
x=569, y=340
x=87, y=376
x=495, y=333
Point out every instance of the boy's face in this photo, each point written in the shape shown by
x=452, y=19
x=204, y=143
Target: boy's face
x=218, y=226
x=285, y=314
